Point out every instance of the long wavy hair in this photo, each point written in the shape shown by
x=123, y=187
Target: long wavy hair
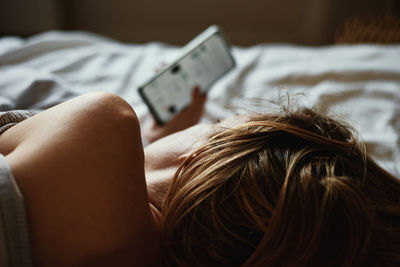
x=282, y=190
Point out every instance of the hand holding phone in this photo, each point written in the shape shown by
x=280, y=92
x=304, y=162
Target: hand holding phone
x=185, y=119
x=203, y=61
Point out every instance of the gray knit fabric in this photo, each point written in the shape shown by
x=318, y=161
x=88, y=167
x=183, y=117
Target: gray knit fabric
x=14, y=237
x=11, y=118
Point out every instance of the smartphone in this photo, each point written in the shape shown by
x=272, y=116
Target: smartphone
x=202, y=62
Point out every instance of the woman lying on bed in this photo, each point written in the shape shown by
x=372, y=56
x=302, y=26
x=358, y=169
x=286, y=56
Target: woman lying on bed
x=293, y=189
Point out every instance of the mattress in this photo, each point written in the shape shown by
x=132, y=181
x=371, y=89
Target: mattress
x=357, y=83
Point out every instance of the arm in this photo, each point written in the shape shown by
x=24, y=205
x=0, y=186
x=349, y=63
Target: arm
x=162, y=158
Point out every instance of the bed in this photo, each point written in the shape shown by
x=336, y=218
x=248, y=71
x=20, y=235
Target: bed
x=359, y=83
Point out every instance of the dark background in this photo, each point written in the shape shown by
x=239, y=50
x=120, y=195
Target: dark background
x=308, y=22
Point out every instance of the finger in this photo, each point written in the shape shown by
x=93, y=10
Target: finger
x=195, y=92
x=198, y=96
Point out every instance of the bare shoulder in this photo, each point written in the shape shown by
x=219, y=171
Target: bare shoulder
x=80, y=167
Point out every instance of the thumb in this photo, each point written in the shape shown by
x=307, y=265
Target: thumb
x=198, y=98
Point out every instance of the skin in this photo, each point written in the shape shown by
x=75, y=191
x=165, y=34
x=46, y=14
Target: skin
x=80, y=167
x=189, y=117
x=164, y=156
x=92, y=193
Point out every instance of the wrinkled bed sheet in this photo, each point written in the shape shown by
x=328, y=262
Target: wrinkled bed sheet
x=359, y=83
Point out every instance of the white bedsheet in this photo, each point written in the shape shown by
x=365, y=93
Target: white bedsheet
x=360, y=83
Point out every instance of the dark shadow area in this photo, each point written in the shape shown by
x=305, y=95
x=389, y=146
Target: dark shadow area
x=307, y=22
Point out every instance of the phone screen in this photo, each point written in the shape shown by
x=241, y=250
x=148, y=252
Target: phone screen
x=170, y=91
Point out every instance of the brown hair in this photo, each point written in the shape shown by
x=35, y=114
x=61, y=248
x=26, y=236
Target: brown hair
x=289, y=190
